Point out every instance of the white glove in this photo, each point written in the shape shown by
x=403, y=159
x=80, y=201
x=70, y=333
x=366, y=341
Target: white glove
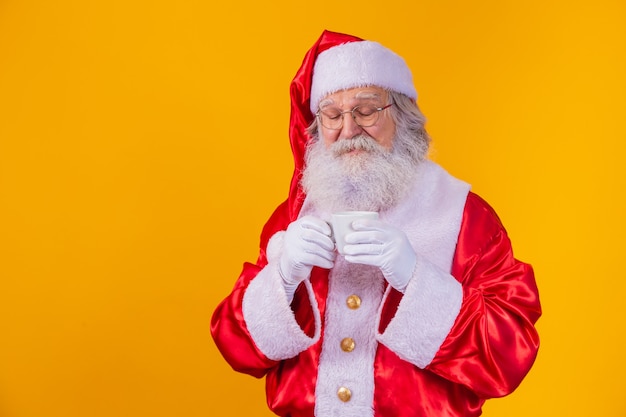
x=379, y=244
x=307, y=243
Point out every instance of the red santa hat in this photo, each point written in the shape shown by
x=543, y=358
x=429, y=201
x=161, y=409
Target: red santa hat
x=337, y=62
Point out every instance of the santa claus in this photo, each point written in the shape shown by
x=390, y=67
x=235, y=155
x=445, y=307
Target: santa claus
x=426, y=312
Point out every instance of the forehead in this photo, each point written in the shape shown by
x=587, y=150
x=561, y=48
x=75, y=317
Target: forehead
x=354, y=95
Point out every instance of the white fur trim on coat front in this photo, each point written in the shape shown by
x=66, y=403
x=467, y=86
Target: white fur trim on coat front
x=268, y=315
x=353, y=370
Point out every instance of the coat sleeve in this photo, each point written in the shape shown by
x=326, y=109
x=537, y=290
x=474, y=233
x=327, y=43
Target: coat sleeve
x=255, y=327
x=493, y=342
x=230, y=333
x=474, y=325
x=228, y=326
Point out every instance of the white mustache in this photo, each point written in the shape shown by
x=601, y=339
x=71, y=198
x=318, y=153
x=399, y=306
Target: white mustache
x=361, y=143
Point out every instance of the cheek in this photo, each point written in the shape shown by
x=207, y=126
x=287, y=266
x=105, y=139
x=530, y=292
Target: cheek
x=329, y=136
x=385, y=136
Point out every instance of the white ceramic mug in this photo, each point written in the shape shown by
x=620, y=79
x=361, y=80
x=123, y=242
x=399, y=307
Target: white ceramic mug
x=341, y=224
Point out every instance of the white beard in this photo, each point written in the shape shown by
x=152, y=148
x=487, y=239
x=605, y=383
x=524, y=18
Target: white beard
x=373, y=179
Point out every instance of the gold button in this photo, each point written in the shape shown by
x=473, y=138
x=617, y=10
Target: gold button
x=353, y=302
x=347, y=344
x=344, y=394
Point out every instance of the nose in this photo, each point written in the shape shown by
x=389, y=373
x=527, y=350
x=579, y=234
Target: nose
x=349, y=129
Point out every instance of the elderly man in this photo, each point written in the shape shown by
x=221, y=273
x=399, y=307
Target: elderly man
x=427, y=312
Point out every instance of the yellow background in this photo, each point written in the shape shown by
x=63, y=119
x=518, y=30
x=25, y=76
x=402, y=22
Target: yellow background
x=143, y=144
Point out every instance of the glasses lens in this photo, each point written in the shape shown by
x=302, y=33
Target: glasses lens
x=331, y=118
x=365, y=116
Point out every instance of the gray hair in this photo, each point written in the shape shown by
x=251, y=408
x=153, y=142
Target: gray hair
x=409, y=121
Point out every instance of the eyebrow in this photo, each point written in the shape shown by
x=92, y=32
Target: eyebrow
x=367, y=95
x=361, y=95
x=325, y=102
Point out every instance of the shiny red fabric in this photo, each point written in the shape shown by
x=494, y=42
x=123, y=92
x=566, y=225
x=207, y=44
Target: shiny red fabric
x=491, y=346
x=488, y=351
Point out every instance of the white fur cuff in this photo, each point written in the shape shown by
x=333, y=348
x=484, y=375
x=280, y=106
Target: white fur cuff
x=426, y=314
x=268, y=315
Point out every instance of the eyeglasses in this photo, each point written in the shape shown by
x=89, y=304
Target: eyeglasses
x=364, y=116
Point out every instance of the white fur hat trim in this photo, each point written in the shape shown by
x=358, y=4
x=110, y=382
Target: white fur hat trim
x=359, y=64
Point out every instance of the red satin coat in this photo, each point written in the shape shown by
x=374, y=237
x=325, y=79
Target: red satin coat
x=487, y=353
